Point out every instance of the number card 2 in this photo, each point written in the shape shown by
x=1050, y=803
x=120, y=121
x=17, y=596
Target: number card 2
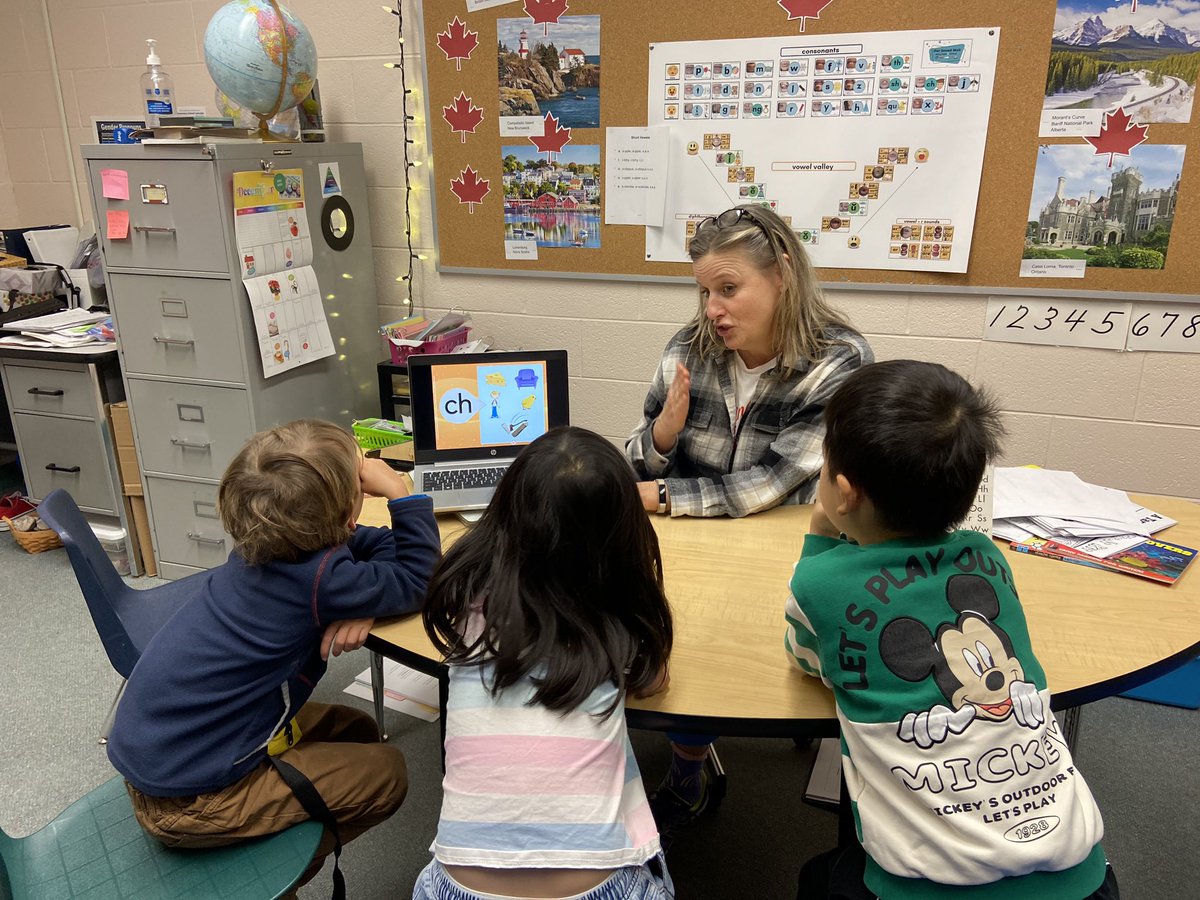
x=1060, y=322
x=1167, y=327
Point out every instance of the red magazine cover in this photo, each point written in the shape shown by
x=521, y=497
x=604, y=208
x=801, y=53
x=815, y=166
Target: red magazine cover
x=1159, y=561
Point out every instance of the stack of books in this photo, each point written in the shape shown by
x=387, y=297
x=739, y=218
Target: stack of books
x=1059, y=516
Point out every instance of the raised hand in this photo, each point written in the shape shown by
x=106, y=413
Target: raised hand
x=674, y=412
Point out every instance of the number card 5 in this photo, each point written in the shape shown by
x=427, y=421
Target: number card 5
x=1169, y=327
x=1063, y=322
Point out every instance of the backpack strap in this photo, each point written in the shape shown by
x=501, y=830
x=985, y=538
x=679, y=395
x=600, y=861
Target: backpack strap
x=310, y=798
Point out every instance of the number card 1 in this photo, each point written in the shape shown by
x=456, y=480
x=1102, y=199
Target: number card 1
x=1169, y=327
x=1061, y=322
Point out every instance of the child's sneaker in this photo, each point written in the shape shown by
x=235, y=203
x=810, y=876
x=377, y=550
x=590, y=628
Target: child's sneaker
x=11, y=506
x=672, y=812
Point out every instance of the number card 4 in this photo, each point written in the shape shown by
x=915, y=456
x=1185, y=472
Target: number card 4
x=1060, y=322
x=1167, y=327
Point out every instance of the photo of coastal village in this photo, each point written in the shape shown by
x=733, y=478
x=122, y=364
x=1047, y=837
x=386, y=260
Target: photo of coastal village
x=1112, y=218
x=1143, y=57
x=555, y=203
x=550, y=69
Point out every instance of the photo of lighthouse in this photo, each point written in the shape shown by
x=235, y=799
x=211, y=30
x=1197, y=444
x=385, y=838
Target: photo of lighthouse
x=549, y=69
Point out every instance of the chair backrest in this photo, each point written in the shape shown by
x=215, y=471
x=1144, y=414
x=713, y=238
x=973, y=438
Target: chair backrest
x=102, y=587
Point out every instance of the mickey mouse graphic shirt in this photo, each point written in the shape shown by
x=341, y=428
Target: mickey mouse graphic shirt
x=960, y=779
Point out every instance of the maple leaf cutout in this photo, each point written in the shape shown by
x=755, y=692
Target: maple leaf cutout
x=458, y=43
x=462, y=115
x=1117, y=135
x=553, y=138
x=469, y=188
x=545, y=12
x=803, y=9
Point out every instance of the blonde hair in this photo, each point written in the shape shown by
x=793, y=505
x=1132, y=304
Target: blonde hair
x=290, y=491
x=802, y=315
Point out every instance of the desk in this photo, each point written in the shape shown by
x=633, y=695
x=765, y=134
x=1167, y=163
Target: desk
x=57, y=399
x=1095, y=632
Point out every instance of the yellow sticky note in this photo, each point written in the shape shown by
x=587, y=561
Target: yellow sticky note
x=118, y=224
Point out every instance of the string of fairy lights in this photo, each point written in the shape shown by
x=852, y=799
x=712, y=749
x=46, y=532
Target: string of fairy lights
x=406, y=121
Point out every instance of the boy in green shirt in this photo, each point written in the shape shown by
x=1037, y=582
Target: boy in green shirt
x=961, y=782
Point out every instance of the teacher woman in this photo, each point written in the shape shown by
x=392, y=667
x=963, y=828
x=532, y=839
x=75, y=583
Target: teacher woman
x=732, y=423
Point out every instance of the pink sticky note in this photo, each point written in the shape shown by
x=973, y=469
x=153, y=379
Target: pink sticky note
x=118, y=224
x=116, y=183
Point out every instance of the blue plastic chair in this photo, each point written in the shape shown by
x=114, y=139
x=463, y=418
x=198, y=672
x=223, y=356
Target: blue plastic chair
x=96, y=849
x=126, y=619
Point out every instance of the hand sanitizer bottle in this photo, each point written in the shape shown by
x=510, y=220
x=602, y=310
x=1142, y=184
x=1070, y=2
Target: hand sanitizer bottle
x=158, y=94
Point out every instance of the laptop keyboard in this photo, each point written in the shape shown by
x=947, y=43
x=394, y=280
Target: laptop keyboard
x=462, y=479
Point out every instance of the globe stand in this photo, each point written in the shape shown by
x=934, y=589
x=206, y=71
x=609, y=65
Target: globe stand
x=267, y=136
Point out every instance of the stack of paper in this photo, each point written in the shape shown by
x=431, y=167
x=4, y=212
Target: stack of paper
x=1057, y=514
x=68, y=328
x=404, y=689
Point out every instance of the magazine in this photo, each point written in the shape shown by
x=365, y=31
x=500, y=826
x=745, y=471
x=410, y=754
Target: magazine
x=1156, y=560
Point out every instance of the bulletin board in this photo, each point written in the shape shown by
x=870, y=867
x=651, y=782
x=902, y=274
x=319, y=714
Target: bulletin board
x=1033, y=203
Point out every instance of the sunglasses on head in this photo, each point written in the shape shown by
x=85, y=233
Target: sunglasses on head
x=726, y=219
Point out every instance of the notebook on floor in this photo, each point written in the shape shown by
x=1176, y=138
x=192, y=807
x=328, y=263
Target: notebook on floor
x=473, y=412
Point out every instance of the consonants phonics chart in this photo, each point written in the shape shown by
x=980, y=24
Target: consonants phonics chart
x=870, y=145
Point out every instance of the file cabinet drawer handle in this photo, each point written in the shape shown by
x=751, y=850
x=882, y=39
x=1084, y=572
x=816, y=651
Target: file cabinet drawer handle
x=155, y=229
x=191, y=445
x=201, y=539
x=175, y=342
x=54, y=467
x=40, y=392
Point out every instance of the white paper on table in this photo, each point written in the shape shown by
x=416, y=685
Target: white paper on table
x=635, y=175
x=1022, y=491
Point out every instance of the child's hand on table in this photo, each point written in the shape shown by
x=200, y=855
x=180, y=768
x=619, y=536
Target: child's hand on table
x=341, y=637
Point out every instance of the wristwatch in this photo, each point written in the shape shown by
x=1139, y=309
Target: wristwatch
x=662, y=496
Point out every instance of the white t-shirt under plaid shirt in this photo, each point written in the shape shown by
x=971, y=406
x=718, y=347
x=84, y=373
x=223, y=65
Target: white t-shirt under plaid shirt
x=774, y=457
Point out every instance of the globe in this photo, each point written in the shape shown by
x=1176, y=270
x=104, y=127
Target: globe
x=261, y=66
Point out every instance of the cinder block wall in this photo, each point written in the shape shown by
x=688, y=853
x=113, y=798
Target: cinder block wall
x=1128, y=420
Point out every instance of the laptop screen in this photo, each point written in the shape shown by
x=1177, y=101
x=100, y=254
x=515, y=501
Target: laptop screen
x=483, y=406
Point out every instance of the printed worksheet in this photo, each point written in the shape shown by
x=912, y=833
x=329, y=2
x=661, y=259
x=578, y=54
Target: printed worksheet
x=275, y=249
x=870, y=145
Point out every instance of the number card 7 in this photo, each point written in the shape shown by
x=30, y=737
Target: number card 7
x=1065, y=322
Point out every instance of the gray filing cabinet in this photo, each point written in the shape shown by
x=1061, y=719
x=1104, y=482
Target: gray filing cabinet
x=189, y=350
x=57, y=400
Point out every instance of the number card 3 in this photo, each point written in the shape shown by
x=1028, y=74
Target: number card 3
x=1166, y=327
x=1060, y=322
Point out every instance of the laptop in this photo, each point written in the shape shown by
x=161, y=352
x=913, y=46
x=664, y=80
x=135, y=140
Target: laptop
x=473, y=412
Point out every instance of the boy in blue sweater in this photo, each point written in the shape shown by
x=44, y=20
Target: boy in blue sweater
x=226, y=681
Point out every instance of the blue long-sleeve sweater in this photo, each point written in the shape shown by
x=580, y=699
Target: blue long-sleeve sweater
x=208, y=691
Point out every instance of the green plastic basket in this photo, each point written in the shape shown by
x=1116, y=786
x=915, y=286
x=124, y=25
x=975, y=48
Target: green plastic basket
x=375, y=434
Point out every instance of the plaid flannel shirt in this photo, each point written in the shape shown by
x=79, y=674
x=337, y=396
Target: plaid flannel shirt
x=776, y=455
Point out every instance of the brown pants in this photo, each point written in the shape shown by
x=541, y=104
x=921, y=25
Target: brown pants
x=362, y=780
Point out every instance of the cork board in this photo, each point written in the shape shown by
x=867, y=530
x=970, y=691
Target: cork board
x=470, y=235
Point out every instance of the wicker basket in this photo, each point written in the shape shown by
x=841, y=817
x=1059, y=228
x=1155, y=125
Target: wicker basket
x=33, y=541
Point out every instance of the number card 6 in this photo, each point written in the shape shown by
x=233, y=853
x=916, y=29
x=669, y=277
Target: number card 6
x=1065, y=322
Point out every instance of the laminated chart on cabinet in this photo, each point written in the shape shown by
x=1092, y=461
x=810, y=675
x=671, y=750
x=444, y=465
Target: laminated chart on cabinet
x=871, y=145
x=275, y=250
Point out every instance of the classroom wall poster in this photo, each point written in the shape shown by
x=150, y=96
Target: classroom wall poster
x=1140, y=56
x=548, y=67
x=275, y=249
x=1118, y=217
x=555, y=204
x=870, y=144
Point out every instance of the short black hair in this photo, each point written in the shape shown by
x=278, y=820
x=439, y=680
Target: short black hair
x=915, y=438
x=565, y=571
